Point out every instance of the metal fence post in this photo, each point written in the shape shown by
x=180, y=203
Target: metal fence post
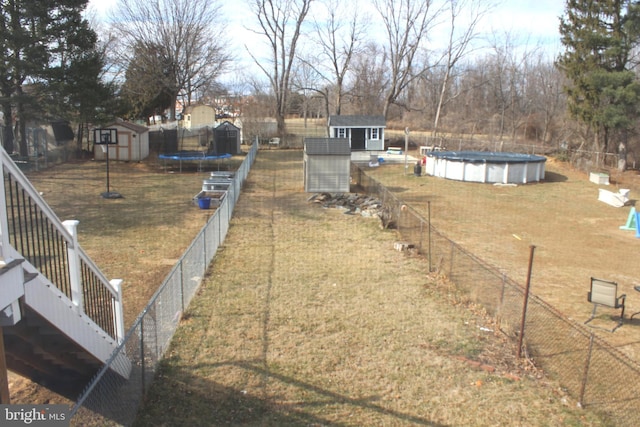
x=453, y=246
x=526, y=301
x=429, y=234
x=181, y=272
x=142, y=358
x=587, y=362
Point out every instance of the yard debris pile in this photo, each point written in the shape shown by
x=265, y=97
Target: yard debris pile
x=356, y=204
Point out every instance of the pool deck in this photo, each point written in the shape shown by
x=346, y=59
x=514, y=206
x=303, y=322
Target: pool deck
x=365, y=157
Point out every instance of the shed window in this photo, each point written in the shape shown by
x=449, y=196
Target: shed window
x=374, y=133
x=342, y=133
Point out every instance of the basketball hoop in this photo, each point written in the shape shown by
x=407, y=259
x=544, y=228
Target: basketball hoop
x=104, y=138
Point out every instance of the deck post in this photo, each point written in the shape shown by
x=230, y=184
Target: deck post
x=4, y=224
x=74, y=264
x=117, y=310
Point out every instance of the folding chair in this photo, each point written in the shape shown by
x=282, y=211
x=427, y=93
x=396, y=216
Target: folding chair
x=604, y=293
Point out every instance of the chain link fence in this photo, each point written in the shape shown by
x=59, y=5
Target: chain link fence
x=585, y=160
x=110, y=399
x=597, y=374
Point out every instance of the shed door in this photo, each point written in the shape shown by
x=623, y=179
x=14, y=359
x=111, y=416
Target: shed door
x=358, y=139
x=226, y=141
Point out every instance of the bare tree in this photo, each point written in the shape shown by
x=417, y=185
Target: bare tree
x=308, y=82
x=189, y=34
x=505, y=67
x=280, y=22
x=549, y=101
x=339, y=41
x=459, y=42
x=406, y=23
x=367, y=91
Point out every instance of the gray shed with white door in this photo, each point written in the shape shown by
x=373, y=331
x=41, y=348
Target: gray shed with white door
x=327, y=165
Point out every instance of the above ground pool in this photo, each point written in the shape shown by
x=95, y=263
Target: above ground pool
x=483, y=166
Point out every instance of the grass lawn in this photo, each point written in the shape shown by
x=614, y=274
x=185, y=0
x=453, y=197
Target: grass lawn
x=309, y=316
x=575, y=235
x=138, y=238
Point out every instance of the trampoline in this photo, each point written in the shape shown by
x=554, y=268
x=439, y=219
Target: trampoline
x=487, y=167
x=192, y=156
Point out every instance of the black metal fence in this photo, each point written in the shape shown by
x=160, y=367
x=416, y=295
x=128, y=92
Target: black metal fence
x=597, y=374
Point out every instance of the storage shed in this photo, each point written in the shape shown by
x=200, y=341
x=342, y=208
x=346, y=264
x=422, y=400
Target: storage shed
x=133, y=143
x=327, y=165
x=362, y=132
x=197, y=116
x=227, y=139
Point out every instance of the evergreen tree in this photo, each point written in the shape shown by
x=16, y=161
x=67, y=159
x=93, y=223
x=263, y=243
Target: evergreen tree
x=149, y=82
x=49, y=65
x=603, y=92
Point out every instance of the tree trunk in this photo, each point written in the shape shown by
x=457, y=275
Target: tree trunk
x=385, y=108
x=622, y=155
x=326, y=110
x=7, y=131
x=24, y=144
x=80, y=136
x=599, y=148
x=281, y=124
x=440, y=102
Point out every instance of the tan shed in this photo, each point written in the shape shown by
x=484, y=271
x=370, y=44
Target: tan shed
x=133, y=143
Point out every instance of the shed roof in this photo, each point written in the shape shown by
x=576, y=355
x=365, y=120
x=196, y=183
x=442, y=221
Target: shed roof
x=357, y=121
x=226, y=125
x=191, y=108
x=128, y=125
x=327, y=146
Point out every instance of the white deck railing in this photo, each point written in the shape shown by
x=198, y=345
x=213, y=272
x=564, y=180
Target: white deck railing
x=30, y=230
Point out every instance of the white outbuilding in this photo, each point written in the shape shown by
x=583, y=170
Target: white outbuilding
x=327, y=165
x=364, y=133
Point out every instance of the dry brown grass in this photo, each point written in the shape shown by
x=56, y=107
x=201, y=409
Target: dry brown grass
x=310, y=317
x=575, y=235
x=138, y=238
